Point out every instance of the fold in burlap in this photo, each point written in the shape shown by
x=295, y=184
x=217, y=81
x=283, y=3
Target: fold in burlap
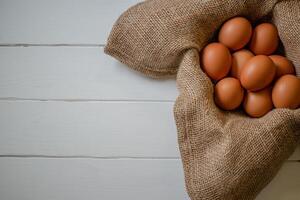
x=226, y=155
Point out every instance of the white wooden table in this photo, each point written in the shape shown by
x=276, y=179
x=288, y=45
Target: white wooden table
x=76, y=124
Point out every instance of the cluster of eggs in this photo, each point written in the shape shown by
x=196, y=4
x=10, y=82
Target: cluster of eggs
x=245, y=71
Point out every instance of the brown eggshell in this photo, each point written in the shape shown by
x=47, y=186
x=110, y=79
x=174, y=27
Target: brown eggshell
x=235, y=33
x=216, y=60
x=229, y=93
x=257, y=104
x=286, y=92
x=264, y=40
x=283, y=65
x=258, y=73
x=239, y=59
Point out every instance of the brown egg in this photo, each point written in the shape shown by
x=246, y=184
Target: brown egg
x=229, y=93
x=257, y=104
x=216, y=60
x=286, y=92
x=239, y=59
x=235, y=33
x=258, y=73
x=283, y=65
x=264, y=40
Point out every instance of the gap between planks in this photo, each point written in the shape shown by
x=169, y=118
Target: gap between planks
x=86, y=100
x=103, y=158
x=51, y=45
x=91, y=157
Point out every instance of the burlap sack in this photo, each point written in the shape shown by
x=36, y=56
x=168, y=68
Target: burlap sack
x=226, y=155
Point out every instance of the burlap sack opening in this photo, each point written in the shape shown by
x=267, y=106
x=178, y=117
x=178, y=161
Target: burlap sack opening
x=226, y=155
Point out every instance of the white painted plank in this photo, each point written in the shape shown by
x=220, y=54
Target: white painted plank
x=92, y=179
x=285, y=186
x=296, y=155
x=101, y=129
x=75, y=73
x=59, y=21
x=76, y=179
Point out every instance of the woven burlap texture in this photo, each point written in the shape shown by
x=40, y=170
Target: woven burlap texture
x=226, y=155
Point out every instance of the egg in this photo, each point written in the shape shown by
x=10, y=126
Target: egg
x=216, y=60
x=257, y=104
x=264, y=40
x=229, y=93
x=235, y=33
x=283, y=65
x=258, y=73
x=286, y=92
x=239, y=59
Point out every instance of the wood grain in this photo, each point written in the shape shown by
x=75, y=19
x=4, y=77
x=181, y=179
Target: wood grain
x=75, y=73
x=59, y=21
x=101, y=129
x=76, y=179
